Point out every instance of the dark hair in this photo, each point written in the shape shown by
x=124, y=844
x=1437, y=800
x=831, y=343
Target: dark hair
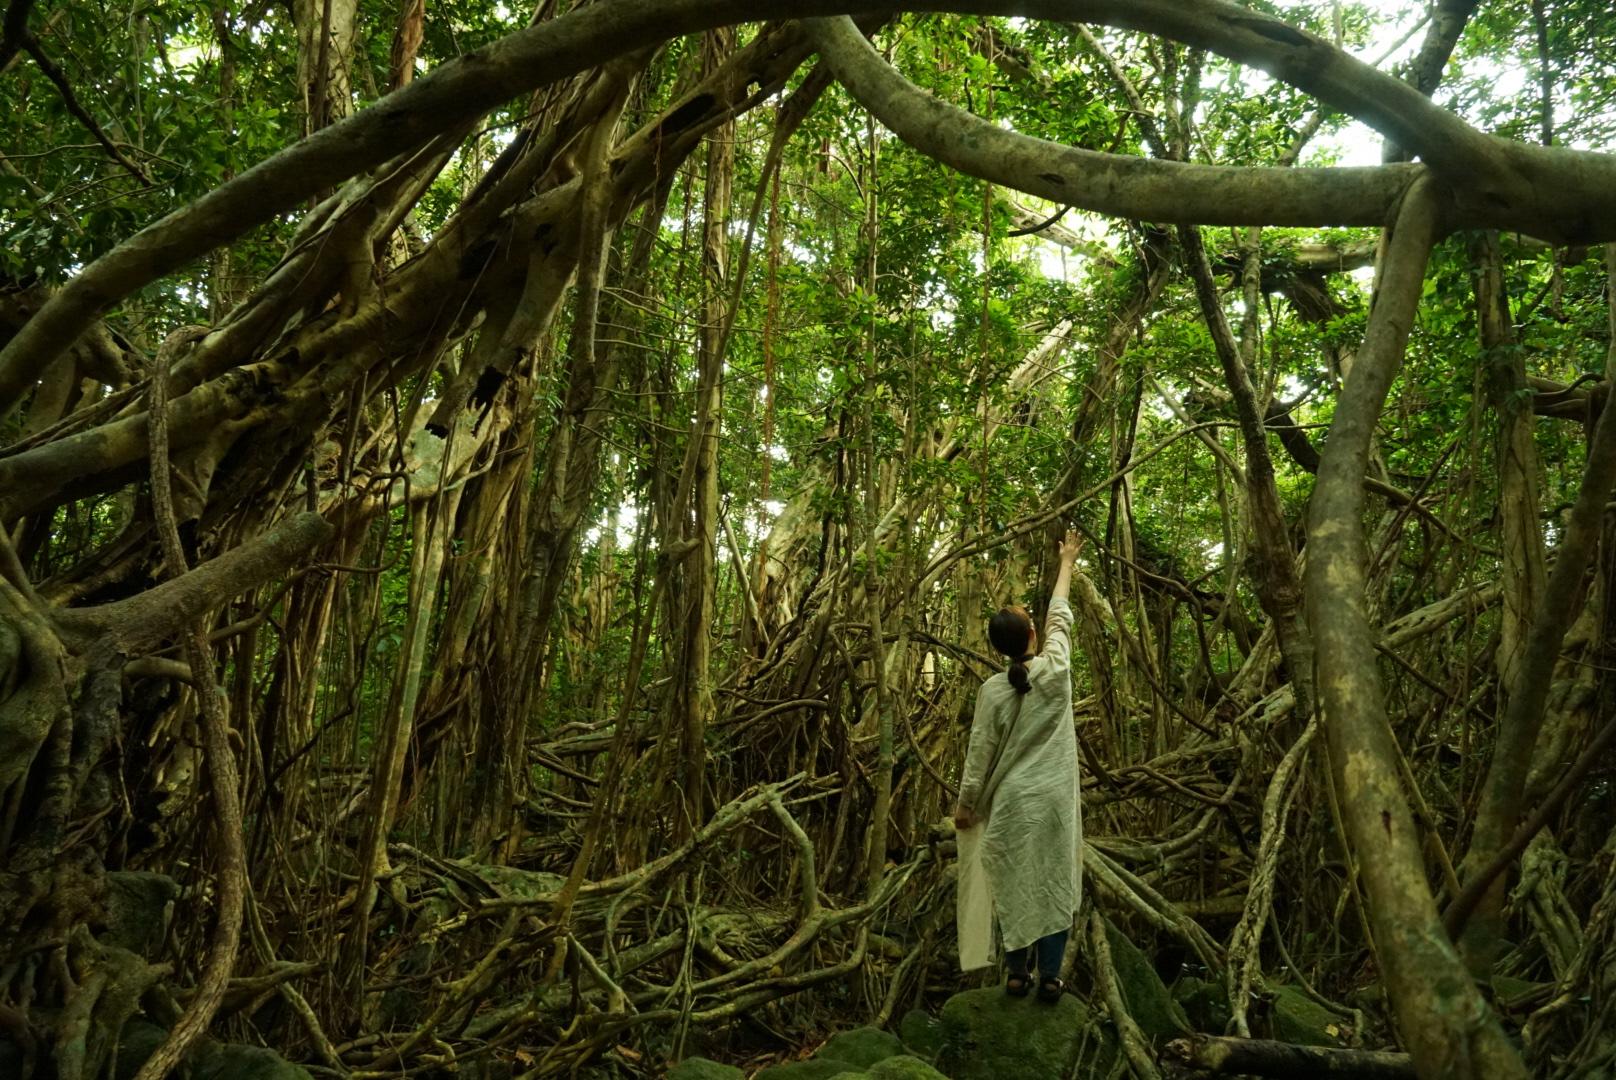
x=1011, y=631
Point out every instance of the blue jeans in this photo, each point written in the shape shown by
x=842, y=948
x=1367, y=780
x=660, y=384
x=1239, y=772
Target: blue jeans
x=1047, y=951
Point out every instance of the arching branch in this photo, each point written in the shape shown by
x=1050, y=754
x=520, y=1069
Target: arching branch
x=1114, y=184
x=1549, y=192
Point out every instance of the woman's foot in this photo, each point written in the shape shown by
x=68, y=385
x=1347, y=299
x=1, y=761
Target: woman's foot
x=1051, y=989
x=1018, y=985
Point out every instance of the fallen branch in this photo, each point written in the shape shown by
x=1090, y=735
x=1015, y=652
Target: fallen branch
x=1222, y=1056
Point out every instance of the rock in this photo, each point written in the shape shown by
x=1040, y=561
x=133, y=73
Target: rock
x=135, y=1044
x=1507, y=990
x=1205, y=1004
x=989, y=1035
x=1296, y=1018
x=207, y=1060
x=1371, y=998
x=922, y=1033
x=234, y=1061
x=137, y=906
x=1148, y=1001
x=815, y=1069
x=861, y=1047
x=700, y=1068
x=903, y=1067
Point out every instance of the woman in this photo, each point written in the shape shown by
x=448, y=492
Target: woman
x=1018, y=819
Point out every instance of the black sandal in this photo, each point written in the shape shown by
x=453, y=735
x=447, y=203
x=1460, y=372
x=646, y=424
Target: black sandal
x=1018, y=985
x=1051, y=989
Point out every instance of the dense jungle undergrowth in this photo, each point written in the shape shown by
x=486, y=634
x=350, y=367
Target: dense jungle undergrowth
x=499, y=506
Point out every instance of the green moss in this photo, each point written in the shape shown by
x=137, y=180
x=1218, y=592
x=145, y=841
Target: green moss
x=904, y=1067
x=922, y=1033
x=1146, y=996
x=815, y=1069
x=1296, y=1018
x=1205, y=1004
x=207, y=1060
x=136, y=903
x=862, y=1047
x=988, y=1035
x=700, y=1068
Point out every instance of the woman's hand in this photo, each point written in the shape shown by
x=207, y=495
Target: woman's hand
x=963, y=818
x=1071, y=545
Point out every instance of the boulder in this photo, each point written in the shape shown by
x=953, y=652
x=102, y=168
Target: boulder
x=814, y=1069
x=989, y=1035
x=1294, y=1017
x=1205, y=1004
x=922, y=1033
x=1149, y=1003
x=1508, y=990
x=700, y=1068
x=137, y=906
x=235, y=1061
x=903, y=1067
x=861, y=1047
x=206, y=1060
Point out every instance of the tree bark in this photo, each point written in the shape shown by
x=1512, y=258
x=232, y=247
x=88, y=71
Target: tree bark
x=1499, y=811
x=1278, y=587
x=701, y=563
x=1449, y=1030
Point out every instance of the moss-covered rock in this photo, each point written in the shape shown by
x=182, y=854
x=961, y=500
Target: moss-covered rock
x=922, y=1033
x=135, y=1044
x=206, y=1060
x=233, y=1061
x=137, y=910
x=1294, y=1017
x=813, y=1069
x=1508, y=990
x=700, y=1068
x=988, y=1035
x=1149, y=1003
x=903, y=1067
x=862, y=1047
x=1205, y=1004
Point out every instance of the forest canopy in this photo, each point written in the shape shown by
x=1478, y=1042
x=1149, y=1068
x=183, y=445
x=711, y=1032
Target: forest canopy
x=500, y=506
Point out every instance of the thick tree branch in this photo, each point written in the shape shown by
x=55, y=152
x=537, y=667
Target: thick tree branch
x=1447, y=1027
x=1554, y=193
x=1276, y=580
x=144, y=620
x=1113, y=184
x=224, y=782
x=1499, y=811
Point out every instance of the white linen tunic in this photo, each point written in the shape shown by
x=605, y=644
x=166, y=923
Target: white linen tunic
x=1020, y=863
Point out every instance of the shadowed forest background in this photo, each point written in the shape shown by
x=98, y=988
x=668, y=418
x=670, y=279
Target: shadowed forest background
x=499, y=510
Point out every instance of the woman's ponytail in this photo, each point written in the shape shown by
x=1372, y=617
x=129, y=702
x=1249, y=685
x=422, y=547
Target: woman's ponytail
x=1010, y=631
x=1018, y=674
